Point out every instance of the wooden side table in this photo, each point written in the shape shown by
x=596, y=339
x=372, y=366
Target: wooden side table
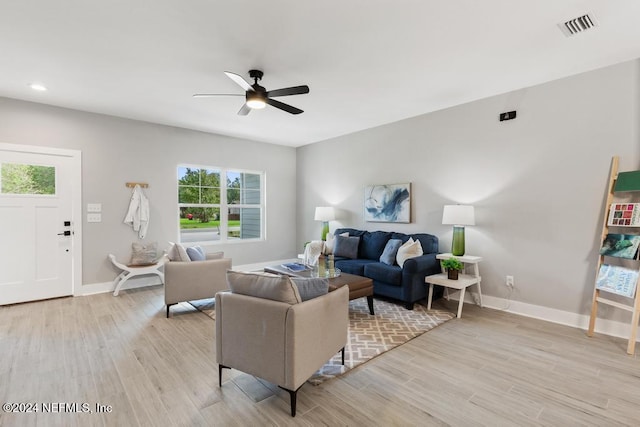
x=463, y=282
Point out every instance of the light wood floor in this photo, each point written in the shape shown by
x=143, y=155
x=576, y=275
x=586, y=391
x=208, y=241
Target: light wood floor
x=488, y=368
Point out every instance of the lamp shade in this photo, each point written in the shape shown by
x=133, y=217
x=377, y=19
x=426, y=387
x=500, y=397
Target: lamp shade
x=325, y=213
x=458, y=215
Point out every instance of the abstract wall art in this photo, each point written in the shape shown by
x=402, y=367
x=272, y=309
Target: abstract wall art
x=387, y=203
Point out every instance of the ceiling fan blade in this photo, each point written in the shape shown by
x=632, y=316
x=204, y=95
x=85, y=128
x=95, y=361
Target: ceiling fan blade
x=285, y=107
x=244, y=110
x=295, y=90
x=208, y=95
x=239, y=80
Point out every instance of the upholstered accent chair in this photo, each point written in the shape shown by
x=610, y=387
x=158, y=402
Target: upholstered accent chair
x=194, y=280
x=277, y=338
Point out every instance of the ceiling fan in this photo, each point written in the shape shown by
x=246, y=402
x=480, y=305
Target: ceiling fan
x=257, y=97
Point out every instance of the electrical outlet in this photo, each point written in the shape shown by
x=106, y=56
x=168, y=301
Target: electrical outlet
x=509, y=282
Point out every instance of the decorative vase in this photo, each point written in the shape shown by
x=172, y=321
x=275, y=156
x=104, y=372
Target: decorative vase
x=322, y=267
x=457, y=244
x=331, y=266
x=325, y=230
x=452, y=274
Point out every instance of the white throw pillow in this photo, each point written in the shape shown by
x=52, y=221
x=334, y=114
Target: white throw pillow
x=410, y=249
x=177, y=252
x=331, y=241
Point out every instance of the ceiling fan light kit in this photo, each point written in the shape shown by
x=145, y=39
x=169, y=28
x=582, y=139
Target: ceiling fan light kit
x=257, y=97
x=256, y=104
x=256, y=100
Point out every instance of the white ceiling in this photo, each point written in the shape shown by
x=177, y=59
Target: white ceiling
x=367, y=62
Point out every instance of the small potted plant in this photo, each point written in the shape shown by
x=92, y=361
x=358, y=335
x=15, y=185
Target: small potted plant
x=453, y=266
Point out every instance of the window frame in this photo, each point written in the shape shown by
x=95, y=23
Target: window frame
x=223, y=206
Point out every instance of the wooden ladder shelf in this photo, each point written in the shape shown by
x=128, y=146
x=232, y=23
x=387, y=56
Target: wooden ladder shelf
x=632, y=183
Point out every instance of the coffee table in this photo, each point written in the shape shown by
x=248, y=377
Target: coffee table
x=358, y=286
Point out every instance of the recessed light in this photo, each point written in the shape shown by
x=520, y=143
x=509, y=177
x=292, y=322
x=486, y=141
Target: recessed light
x=38, y=86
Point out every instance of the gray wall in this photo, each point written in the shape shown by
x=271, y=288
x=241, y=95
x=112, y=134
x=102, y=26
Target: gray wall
x=116, y=150
x=538, y=183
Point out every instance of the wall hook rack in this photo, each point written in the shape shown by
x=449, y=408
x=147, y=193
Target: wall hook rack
x=133, y=184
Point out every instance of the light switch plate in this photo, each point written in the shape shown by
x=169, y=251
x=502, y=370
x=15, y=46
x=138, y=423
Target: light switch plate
x=94, y=207
x=94, y=217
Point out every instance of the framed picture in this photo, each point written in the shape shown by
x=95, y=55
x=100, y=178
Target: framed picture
x=387, y=203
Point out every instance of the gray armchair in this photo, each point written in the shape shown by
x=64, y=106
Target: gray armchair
x=188, y=281
x=281, y=342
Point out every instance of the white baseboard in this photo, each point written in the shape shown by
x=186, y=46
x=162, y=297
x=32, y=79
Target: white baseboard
x=133, y=283
x=575, y=320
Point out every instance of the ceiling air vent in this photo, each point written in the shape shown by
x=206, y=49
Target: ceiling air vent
x=578, y=25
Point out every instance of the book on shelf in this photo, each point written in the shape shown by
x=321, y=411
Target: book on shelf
x=617, y=280
x=621, y=246
x=624, y=215
x=627, y=181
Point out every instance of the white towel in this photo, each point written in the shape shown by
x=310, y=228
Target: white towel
x=312, y=252
x=138, y=213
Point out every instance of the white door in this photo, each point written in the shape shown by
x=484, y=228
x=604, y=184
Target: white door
x=37, y=240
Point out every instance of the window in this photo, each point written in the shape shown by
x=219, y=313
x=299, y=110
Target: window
x=27, y=179
x=217, y=204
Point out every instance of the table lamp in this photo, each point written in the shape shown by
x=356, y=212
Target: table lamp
x=458, y=216
x=325, y=214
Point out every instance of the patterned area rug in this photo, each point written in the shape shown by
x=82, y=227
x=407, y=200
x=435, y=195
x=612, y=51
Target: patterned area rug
x=369, y=336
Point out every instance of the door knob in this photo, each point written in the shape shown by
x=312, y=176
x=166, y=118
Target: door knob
x=65, y=233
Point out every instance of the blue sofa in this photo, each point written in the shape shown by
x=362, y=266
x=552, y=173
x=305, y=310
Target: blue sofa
x=405, y=284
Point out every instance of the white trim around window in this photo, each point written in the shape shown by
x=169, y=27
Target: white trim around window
x=203, y=195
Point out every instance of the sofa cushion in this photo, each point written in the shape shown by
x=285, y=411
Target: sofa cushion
x=390, y=274
x=196, y=253
x=346, y=246
x=372, y=244
x=410, y=249
x=401, y=236
x=264, y=285
x=428, y=242
x=310, y=288
x=214, y=255
x=390, y=251
x=353, y=266
x=351, y=231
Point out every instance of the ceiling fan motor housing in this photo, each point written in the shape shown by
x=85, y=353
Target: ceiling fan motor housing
x=256, y=74
x=259, y=93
